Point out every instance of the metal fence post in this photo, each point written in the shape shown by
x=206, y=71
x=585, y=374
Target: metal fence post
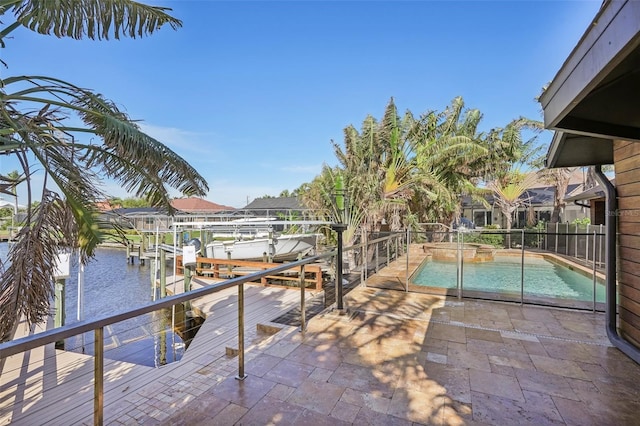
x=365, y=251
x=594, y=271
x=600, y=248
x=303, y=319
x=241, y=375
x=522, y=272
x=98, y=377
x=459, y=266
x=388, y=252
x=586, y=249
x=406, y=284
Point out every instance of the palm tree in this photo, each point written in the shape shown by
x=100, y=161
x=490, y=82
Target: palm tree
x=560, y=179
x=450, y=160
x=35, y=116
x=509, y=194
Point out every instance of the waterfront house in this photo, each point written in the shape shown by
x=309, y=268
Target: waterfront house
x=280, y=207
x=539, y=205
x=592, y=104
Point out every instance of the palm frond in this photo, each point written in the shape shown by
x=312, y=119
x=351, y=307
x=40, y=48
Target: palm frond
x=26, y=285
x=141, y=163
x=94, y=19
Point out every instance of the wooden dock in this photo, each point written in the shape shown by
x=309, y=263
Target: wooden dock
x=51, y=386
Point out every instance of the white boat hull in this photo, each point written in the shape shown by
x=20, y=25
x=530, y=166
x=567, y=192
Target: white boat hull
x=286, y=247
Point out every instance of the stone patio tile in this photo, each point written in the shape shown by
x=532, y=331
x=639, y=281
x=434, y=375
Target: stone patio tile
x=364, y=379
x=281, y=348
x=621, y=387
x=455, y=413
x=324, y=355
x=449, y=333
x=317, y=396
x=567, y=350
x=261, y=364
x=416, y=406
x=528, y=326
x=281, y=392
x=370, y=401
x=487, y=347
x=534, y=348
x=454, y=380
x=321, y=374
x=559, y=367
x=345, y=411
x=432, y=357
x=229, y=415
x=543, y=404
x=373, y=418
x=539, y=314
x=495, y=384
x=245, y=393
x=513, y=359
x=289, y=373
x=505, y=370
x=433, y=345
x=550, y=384
x=467, y=359
x=188, y=418
x=618, y=365
x=498, y=410
x=581, y=385
x=616, y=409
x=479, y=334
x=576, y=413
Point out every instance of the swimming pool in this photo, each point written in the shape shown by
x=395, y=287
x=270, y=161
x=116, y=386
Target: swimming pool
x=542, y=279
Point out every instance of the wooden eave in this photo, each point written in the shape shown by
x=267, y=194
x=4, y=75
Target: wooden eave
x=594, y=97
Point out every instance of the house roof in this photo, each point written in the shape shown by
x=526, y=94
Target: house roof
x=276, y=203
x=590, y=194
x=592, y=100
x=577, y=177
x=197, y=205
x=539, y=194
x=133, y=211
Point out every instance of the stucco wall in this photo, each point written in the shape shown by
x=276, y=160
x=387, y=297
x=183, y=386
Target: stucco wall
x=627, y=163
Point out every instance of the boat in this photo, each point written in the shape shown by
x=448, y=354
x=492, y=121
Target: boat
x=282, y=248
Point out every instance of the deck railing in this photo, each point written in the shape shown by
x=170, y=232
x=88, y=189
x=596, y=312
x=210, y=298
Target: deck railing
x=97, y=326
x=362, y=259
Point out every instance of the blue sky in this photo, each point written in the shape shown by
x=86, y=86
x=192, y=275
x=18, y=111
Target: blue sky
x=252, y=93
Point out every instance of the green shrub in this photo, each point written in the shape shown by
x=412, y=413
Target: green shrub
x=496, y=240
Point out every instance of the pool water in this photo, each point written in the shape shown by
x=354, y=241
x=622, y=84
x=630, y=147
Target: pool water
x=541, y=278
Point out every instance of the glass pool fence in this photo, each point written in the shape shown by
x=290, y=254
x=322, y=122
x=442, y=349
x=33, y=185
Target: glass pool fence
x=541, y=266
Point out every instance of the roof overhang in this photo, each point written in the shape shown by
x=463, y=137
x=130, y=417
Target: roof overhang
x=572, y=150
x=594, y=96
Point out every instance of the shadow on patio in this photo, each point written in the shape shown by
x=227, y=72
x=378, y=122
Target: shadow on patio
x=403, y=358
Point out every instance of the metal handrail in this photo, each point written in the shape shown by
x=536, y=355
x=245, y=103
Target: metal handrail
x=30, y=342
x=97, y=326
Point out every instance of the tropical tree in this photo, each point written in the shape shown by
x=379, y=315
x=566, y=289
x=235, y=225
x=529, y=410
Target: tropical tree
x=560, y=179
x=37, y=127
x=509, y=194
x=449, y=160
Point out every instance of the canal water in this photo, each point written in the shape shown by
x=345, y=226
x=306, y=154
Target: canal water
x=112, y=285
